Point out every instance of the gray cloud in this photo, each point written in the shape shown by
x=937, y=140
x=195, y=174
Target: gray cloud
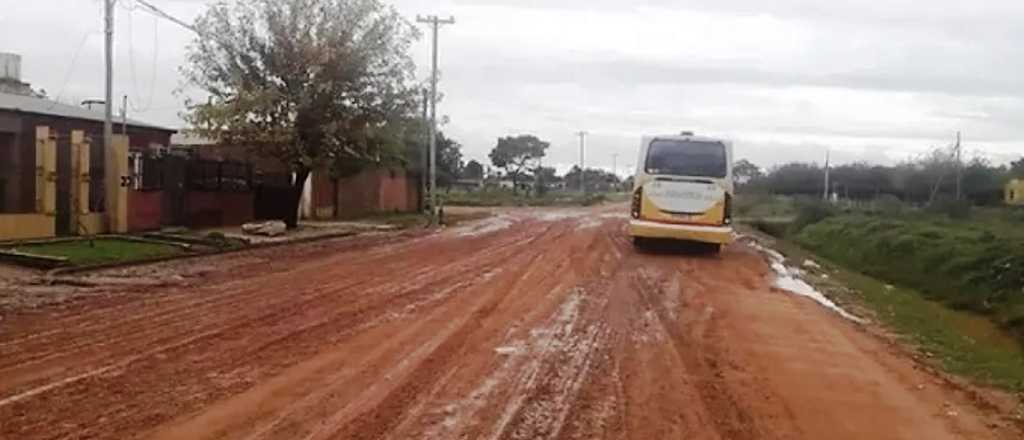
x=787, y=79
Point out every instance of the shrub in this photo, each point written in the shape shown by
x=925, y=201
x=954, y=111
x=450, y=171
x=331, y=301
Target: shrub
x=809, y=212
x=952, y=208
x=951, y=262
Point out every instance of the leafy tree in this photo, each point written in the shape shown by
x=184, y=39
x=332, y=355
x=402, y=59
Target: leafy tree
x=1017, y=168
x=473, y=170
x=543, y=177
x=516, y=154
x=743, y=171
x=449, y=160
x=312, y=83
x=594, y=179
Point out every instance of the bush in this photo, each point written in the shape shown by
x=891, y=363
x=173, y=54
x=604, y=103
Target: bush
x=809, y=212
x=889, y=205
x=951, y=262
x=952, y=208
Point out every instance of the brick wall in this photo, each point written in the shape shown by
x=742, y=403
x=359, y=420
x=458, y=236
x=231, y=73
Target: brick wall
x=393, y=191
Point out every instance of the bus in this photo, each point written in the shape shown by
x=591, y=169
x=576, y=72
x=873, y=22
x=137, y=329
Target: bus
x=683, y=190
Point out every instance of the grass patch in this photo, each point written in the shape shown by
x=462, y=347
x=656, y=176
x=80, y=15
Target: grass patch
x=105, y=250
x=955, y=263
x=961, y=342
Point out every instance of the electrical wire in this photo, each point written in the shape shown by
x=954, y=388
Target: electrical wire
x=71, y=69
x=132, y=101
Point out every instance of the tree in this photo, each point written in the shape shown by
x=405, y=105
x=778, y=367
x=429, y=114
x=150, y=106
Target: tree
x=595, y=179
x=516, y=154
x=449, y=160
x=544, y=177
x=1017, y=168
x=473, y=170
x=311, y=83
x=744, y=171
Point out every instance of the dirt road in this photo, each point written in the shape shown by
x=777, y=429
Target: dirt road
x=525, y=326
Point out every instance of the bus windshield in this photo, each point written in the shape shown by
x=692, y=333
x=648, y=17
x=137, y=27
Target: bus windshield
x=686, y=158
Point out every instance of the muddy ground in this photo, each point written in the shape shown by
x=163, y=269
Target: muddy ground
x=529, y=325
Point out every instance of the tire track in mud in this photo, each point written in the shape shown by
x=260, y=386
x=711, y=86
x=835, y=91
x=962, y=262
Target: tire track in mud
x=200, y=316
x=226, y=297
x=548, y=327
x=215, y=338
x=436, y=350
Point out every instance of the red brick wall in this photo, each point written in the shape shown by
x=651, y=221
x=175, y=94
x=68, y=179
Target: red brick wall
x=376, y=191
x=393, y=191
x=357, y=195
x=204, y=209
x=145, y=210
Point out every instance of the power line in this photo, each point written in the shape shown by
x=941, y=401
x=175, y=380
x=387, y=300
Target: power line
x=134, y=71
x=149, y=7
x=71, y=69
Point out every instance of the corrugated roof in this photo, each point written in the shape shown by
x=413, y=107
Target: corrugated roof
x=30, y=104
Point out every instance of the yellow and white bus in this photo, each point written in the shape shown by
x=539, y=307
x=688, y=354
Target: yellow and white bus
x=683, y=190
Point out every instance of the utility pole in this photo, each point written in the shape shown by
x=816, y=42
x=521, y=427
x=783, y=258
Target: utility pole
x=825, y=196
x=124, y=115
x=959, y=166
x=434, y=23
x=615, y=164
x=108, y=51
x=424, y=151
x=583, y=140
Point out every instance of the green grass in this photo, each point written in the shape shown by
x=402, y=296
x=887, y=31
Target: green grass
x=960, y=342
x=960, y=264
x=106, y=250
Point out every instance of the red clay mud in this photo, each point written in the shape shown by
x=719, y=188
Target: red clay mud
x=525, y=326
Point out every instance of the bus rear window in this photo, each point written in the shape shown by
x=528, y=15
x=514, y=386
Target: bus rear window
x=686, y=158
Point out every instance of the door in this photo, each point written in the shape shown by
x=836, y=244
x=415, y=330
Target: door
x=63, y=222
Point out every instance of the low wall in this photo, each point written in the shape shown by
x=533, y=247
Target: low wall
x=204, y=209
x=393, y=192
x=377, y=191
x=25, y=226
x=145, y=210
x=358, y=195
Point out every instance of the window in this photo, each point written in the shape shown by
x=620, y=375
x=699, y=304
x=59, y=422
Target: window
x=687, y=158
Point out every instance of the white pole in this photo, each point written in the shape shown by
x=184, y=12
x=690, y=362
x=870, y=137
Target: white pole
x=108, y=50
x=826, y=175
x=583, y=174
x=435, y=24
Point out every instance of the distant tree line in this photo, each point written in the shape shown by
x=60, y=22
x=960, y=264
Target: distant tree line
x=922, y=181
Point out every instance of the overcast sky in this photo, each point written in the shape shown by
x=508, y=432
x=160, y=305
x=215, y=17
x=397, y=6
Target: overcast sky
x=871, y=80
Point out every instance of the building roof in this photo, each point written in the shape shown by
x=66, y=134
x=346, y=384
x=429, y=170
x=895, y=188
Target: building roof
x=188, y=138
x=40, y=106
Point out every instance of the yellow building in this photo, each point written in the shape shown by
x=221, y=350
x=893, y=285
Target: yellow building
x=1013, y=193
